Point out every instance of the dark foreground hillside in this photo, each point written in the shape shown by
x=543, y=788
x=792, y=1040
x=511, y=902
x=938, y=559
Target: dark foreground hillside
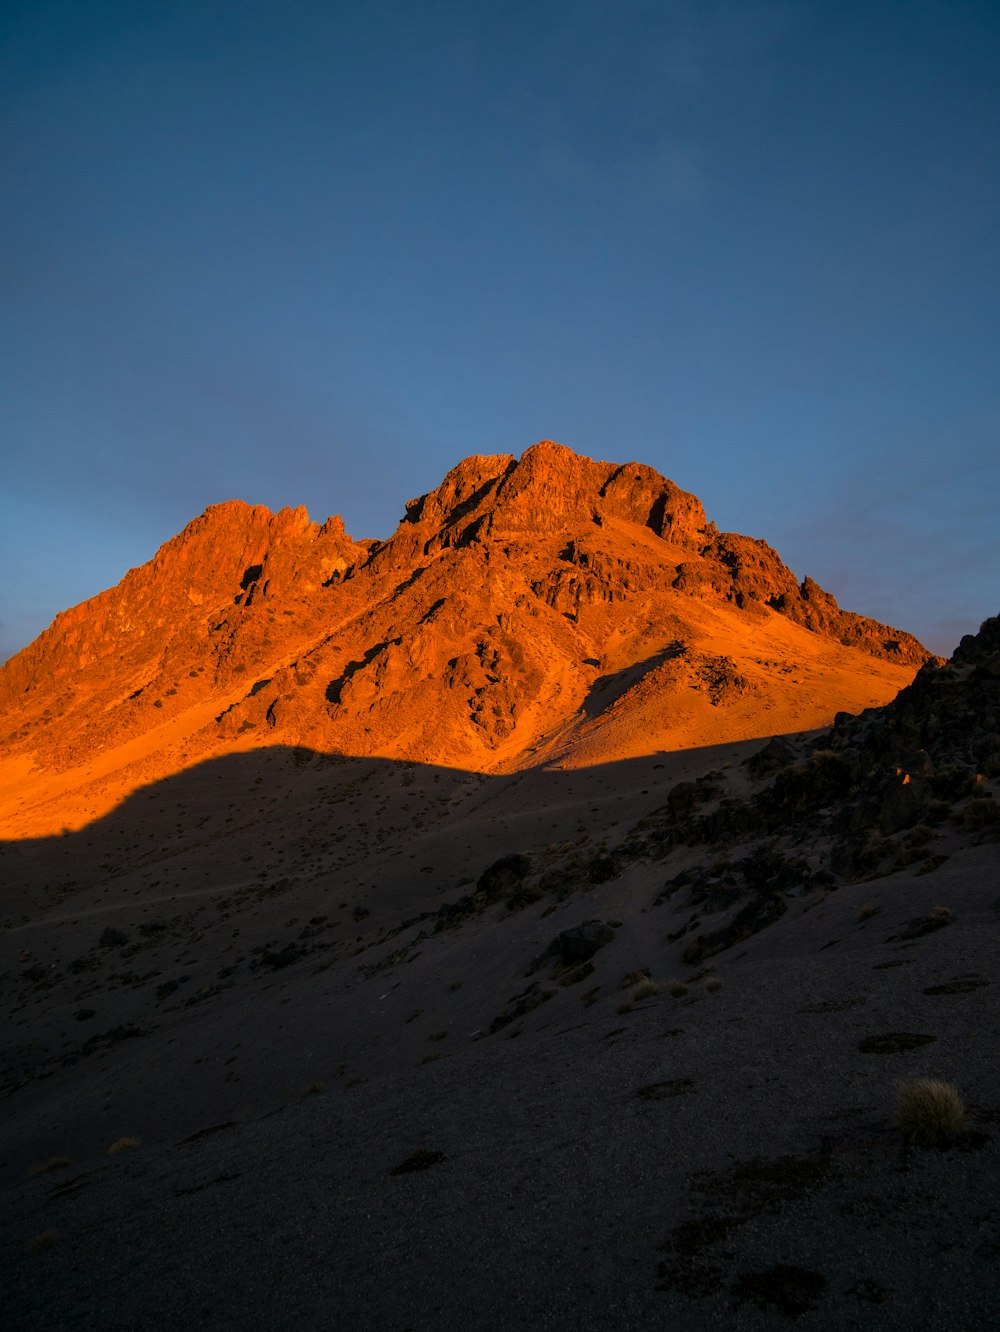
x=604, y=1047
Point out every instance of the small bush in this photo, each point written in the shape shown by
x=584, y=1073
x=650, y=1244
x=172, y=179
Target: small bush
x=938, y=918
x=524, y=896
x=677, y=989
x=122, y=1145
x=867, y=911
x=929, y=1113
x=646, y=989
x=980, y=813
x=713, y=984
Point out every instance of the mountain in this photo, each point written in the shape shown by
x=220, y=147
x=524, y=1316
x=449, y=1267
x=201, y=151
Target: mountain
x=542, y=610
x=528, y=921
x=698, y=1038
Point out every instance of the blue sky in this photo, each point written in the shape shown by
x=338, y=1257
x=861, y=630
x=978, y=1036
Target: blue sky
x=316, y=253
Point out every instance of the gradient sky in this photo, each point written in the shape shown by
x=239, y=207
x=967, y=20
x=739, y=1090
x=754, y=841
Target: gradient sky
x=316, y=253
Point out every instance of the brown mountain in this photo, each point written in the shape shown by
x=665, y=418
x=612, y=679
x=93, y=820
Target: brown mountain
x=542, y=610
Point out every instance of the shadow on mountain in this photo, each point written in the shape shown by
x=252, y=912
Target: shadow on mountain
x=608, y=689
x=730, y=835
x=875, y=793
x=304, y=817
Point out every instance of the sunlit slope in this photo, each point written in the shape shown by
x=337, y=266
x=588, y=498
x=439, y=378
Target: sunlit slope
x=547, y=608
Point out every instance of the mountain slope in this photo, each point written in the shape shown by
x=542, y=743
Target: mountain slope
x=547, y=608
x=622, y=1039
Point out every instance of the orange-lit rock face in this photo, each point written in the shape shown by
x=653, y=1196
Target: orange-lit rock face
x=550, y=608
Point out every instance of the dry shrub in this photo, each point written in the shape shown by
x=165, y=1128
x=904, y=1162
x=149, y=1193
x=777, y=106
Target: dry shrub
x=867, y=911
x=122, y=1145
x=929, y=1113
x=713, y=984
x=920, y=835
x=980, y=813
x=676, y=988
x=646, y=989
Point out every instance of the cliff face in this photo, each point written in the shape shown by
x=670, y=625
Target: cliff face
x=547, y=606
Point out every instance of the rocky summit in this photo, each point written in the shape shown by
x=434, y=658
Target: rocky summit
x=541, y=609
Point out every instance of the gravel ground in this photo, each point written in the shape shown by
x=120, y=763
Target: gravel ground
x=720, y=1158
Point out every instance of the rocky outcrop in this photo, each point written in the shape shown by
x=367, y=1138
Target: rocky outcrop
x=750, y=573
x=900, y=785
x=817, y=610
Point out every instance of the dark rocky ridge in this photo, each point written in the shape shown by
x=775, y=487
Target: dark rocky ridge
x=897, y=786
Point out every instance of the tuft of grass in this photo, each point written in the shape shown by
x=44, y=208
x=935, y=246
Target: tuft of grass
x=981, y=813
x=646, y=989
x=53, y=1163
x=867, y=911
x=929, y=1113
x=313, y=1089
x=676, y=988
x=713, y=984
x=122, y=1145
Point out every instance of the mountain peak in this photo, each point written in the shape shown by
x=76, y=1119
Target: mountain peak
x=548, y=489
